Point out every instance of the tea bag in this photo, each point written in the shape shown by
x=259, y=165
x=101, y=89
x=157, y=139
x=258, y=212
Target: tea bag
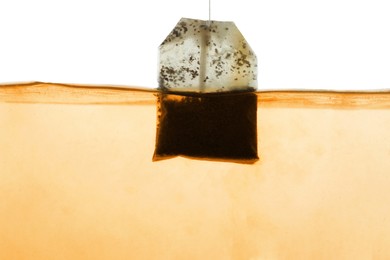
x=206, y=107
x=206, y=57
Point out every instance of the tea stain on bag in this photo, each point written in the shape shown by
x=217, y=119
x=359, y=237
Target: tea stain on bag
x=211, y=127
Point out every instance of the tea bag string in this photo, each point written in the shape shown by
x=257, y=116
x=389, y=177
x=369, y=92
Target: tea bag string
x=209, y=12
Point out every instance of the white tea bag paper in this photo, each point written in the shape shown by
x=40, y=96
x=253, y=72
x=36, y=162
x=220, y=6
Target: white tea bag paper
x=206, y=57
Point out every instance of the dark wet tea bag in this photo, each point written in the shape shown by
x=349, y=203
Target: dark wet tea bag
x=207, y=106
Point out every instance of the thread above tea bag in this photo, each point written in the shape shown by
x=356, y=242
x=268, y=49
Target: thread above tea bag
x=205, y=57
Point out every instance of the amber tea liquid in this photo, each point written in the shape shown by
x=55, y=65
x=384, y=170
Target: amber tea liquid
x=77, y=180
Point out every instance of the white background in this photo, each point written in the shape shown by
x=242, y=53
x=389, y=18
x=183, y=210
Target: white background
x=300, y=44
